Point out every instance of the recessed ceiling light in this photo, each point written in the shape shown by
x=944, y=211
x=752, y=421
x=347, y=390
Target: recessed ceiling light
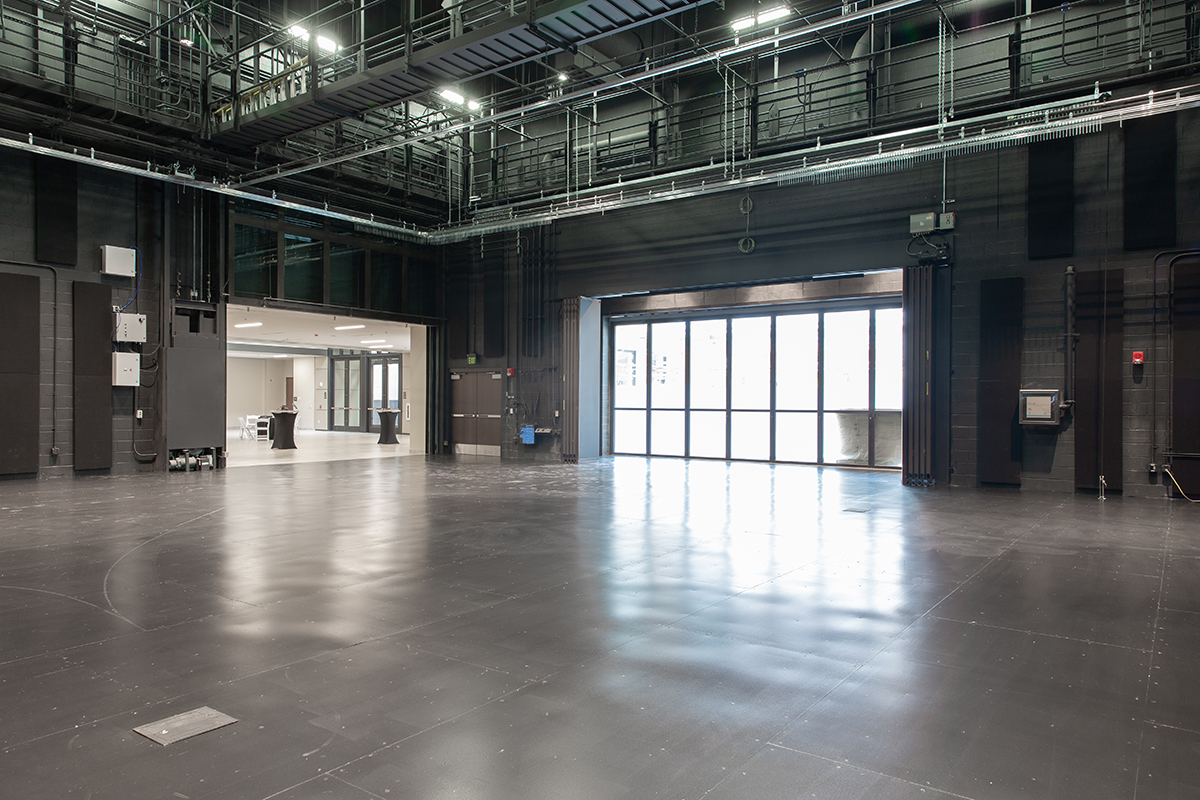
x=348, y=327
x=279, y=356
x=248, y=325
x=373, y=341
x=379, y=346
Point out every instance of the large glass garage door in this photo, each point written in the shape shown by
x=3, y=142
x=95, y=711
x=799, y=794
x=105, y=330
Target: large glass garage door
x=815, y=388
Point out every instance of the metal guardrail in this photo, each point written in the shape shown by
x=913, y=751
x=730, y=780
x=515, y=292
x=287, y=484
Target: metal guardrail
x=921, y=82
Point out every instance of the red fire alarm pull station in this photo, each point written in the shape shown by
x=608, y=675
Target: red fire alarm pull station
x=512, y=371
x=1139, y=357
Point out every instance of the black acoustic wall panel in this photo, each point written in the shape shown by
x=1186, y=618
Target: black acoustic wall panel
x=1150, y=150
x=1051, y=201
x=493, y=312
x=20, y=320
x=1001, y=312
x=1099, y=316
x=458, y=316
x=56, y=210
x=93, y=321
x=1185, y=389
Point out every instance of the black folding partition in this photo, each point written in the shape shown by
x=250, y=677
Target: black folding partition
x=93, y=320
x=917, y=419
x=1099, y=316
x=1185, y=378
x=926, y=419
x=20, y=320
x=1001, y=315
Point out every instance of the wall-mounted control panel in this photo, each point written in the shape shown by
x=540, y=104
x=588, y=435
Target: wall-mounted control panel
x=919, y=224
x=1041, y=407
x=127, y=369
x=119, y=260
x=130, y=328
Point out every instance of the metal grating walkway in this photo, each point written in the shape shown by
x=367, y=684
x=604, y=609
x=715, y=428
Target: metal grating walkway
x=495, y=46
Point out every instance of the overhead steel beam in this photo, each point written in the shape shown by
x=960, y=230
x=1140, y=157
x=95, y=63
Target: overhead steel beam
x=735, y=51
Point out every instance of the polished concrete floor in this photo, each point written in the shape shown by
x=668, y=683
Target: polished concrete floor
x=437, y=628
x=311, y=446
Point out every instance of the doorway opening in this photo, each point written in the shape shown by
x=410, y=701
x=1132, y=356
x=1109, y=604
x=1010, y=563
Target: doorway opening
x=336, y=374
x=803, y=386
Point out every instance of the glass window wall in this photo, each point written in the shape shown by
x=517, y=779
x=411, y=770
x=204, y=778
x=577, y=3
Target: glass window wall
x=813, y=387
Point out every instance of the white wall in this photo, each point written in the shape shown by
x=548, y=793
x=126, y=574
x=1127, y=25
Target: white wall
x=275, y=389
x=413, y=378
x=244, y=393
x=321, y=393
x=303, y=375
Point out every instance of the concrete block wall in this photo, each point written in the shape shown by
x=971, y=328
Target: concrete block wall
x=862, y=224
x=109, y=213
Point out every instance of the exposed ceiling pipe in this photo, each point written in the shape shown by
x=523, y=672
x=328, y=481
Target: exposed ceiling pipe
x=587, y=93
x=872, y=155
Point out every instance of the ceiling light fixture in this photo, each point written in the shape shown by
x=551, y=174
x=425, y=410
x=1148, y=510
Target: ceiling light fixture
x=323, y=42
x=373, y=341
x=458, y=99
x=279, y=356
x=761, y=18
x=186, y=42
x=562, y=76
x=248, y=325
x=349, y=327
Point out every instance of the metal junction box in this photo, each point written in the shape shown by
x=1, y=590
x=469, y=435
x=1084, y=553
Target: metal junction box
x=127, y=369
x=119, y=260
x=130, y=328
x=1041, y=407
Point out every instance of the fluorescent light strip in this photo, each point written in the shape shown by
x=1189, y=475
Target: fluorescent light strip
x=248, y=325
x=349, y=327
x=373, y=341
x=770, y=15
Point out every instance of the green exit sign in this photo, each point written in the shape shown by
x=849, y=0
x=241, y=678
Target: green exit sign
x=472, y=358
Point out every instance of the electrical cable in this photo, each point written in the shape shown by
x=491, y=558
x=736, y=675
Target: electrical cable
x=1177, y=486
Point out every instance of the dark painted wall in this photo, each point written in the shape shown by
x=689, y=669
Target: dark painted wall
x=863, y=224
x=112, y=209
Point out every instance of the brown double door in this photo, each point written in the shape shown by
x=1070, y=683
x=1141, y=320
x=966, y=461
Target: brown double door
x=476, y=406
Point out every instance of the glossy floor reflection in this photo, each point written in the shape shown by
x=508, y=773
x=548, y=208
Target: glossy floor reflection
x=432, y=628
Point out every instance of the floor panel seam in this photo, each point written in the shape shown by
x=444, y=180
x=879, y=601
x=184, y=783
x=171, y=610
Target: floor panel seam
x=1164, y=556
x=1039, y=633
x=870, y=771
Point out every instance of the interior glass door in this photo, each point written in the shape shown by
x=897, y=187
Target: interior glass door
x=346, y=402
x=385, y=387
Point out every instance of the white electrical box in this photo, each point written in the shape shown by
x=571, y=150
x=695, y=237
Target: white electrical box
x=922, y=223
x=127, y=369
x=119, y=260
x=130, y=328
